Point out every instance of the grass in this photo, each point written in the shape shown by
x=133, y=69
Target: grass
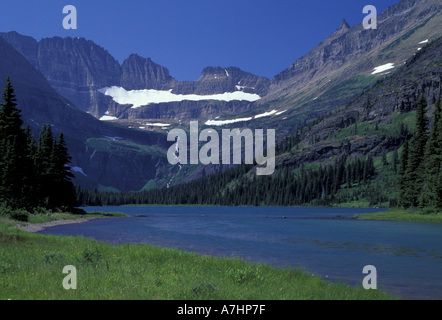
x=31, y=267
x=402, y=215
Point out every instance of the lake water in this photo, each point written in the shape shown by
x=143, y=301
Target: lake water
x=407, y=256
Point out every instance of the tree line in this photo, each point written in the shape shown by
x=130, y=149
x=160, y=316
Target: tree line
x=236, y=187
x=33, y=174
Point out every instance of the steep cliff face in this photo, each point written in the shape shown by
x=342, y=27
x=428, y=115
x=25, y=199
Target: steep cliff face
x=139, y=73
x=75, y=68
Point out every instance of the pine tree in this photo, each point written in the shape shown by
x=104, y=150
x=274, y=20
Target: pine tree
x=14, y=160
x=63, y=190
x=46, y=161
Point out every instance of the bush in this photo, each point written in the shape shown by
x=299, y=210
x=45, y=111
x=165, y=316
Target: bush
x=90, y=256
x=4, y=210
x=42, y=210
x=429, y=211
x=204, y=288
x=20, y=215
x=241, y=276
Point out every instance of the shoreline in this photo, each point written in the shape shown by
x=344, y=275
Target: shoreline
x=37, y=227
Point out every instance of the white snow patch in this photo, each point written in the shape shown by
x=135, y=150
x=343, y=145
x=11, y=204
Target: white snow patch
x=108, y=118
x=227, y=73
x=224, y=122
x=383, y=68
x=138, y=98
x=266, y=114
x=79, y=170
x=419, y=49
x=425, y=41
x=157, y=124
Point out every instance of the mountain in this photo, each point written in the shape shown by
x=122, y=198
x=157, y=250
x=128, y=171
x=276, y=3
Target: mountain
x=348, y=158
x=79, y=70
x=345, y=63
x=328, y=76
x=139, y=100
x=378, y=120
x=103, y=154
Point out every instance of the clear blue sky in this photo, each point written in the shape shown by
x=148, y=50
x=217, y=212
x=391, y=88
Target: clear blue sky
x=259, y=36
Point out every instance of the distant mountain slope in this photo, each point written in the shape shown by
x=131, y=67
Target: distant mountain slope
x=345, y=63
x=377, y=121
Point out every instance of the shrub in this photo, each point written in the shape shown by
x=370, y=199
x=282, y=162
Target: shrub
x=90, y=256
x=5, y=211
x=244, y=275
x=428, y=211
x=20, y=215
x=204, y=288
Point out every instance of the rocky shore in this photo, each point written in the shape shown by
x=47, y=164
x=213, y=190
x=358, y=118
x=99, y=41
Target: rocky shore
x=37, y=227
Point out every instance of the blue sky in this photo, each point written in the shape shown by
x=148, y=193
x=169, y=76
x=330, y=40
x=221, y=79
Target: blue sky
x=263, y=37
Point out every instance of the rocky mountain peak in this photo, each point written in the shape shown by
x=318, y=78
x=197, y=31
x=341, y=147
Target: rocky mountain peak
x=344, y=25
x=142, y=73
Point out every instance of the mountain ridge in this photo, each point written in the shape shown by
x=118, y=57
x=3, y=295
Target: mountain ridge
x=77, y=68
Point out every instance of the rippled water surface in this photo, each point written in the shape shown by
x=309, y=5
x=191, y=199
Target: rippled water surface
x=325, y=241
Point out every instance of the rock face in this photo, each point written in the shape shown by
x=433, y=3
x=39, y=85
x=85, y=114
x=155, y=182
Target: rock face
x=77, y=68
x=138, y=73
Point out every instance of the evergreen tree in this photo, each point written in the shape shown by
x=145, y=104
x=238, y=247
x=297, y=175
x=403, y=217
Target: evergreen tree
x=46, y=161
x=14, y=160
x=63, y=190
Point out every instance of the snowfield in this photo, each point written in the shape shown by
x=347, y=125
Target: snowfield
x=224, y=122
x=108, y=118
x=383, y=68
x=157, y=124
x=262, y=115
x=266, y=114
x=138, y=98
